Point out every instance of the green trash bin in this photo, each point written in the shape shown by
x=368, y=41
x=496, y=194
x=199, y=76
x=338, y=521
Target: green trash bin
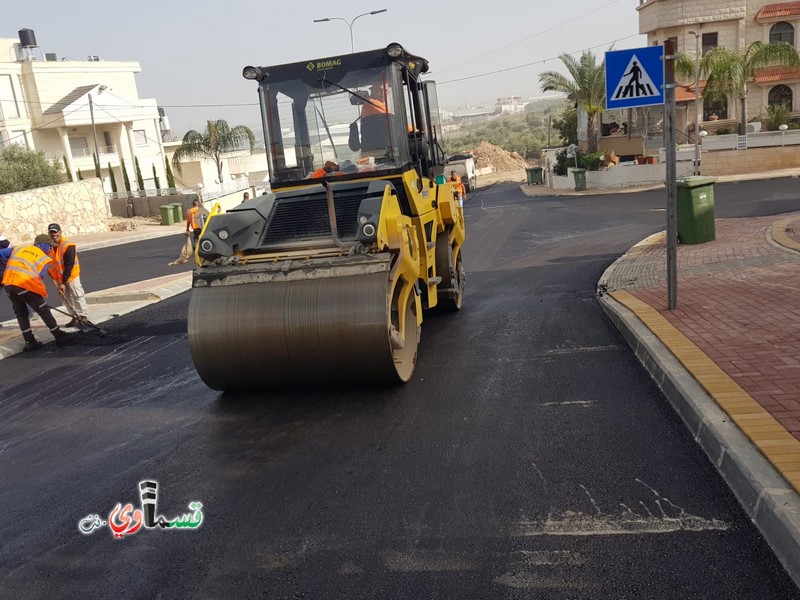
x=696, y=210
x=534, y=175
x=167, y=214
x=177, y=211
x=580, y=179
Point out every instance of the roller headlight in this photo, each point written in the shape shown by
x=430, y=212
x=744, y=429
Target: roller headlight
x=222, y=234
x=368, y=230
x=252, y=73
x=394, y=50
x=206, y=246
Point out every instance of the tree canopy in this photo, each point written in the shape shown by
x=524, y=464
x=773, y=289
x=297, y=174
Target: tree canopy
x=217, y=139
x=585, y=85
x=22, y=169
x=525, y=133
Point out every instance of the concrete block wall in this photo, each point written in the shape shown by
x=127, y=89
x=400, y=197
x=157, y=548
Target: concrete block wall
x=79, y=207
x=753, y=160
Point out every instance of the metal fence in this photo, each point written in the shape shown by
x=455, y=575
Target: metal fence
x=762, y=139
x=143, y=193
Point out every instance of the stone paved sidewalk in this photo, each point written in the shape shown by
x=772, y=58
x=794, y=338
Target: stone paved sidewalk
x=738, y=302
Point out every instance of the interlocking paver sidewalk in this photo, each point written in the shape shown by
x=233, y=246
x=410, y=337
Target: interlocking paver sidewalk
x=736, y=333
x=737, y=302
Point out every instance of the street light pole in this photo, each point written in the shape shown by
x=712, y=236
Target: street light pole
x=350, y=23
x=696, y=103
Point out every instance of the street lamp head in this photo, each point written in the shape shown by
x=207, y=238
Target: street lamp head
x=783, y=127
x=375, y=12
x=325, y=20
x=694, y=33
x=703, y=133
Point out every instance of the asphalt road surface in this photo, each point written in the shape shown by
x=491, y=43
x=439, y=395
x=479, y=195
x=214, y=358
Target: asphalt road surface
x=530, y=456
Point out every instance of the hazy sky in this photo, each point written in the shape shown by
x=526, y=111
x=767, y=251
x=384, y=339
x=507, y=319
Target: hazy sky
x=192, y=53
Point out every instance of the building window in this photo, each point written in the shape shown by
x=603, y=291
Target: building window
x=714, y=110
x=782, y=32
x=780, y=94
x=79, y=146
x=19, y=138
x=710, y=41
x=140, y=136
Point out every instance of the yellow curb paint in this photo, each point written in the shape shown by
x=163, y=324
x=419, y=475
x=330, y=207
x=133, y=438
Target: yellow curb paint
x=777, y=444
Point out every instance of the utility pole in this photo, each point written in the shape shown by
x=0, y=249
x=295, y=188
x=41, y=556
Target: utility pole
x=696, y=103
x=94, y=133
x=669, y=142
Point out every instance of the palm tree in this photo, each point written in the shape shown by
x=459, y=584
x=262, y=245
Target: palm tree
x=586, y=85
x=217, y=139
x=728, y=72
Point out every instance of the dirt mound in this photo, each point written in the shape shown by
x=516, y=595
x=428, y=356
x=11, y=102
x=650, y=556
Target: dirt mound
x=489, y=155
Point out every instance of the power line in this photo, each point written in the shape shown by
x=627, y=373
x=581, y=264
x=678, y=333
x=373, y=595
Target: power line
x=32, y=129
x=543, y=31
x=535, y=62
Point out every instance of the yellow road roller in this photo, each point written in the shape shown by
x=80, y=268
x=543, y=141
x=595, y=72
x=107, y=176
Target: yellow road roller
x=325, y=279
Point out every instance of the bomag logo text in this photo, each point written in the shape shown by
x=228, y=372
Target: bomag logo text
x=329, y=64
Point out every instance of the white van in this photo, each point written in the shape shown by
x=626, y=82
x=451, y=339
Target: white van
x=464, y=165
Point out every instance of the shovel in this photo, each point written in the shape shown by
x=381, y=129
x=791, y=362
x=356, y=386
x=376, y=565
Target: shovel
x=82, y=322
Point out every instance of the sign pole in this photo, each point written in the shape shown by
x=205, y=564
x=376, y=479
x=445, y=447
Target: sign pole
x=671, y=151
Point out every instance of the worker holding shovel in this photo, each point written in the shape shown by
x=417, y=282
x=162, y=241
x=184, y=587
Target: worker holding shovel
x=66, y=271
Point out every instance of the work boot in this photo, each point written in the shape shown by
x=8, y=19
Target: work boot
x=62, y=337
x=71, y=323
x=31, y=343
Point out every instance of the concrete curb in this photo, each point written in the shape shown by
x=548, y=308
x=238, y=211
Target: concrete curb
x=770, y=502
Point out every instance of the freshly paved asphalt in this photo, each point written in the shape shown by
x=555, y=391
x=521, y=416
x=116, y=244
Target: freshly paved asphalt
x=530, y=456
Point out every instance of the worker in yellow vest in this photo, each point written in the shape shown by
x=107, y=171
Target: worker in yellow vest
x=23, y=282
x=66, y=273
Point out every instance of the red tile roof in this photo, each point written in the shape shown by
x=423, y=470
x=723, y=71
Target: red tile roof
x=685, y=93
x=784, y=9
x=771, y=74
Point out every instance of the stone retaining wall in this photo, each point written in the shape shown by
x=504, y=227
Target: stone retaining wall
x=753, y=160
x=79, y=207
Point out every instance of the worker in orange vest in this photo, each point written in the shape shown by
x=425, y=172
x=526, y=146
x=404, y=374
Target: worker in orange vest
x=66, y=273
x=460, y=192
x=23, y=282
x=194, y=220
x=375, y=103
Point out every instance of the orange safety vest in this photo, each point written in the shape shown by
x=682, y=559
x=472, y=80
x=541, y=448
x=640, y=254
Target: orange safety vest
x=23, y=269
x=193, y=218
x=373, y=107
x=459, y=187
x=56, y=270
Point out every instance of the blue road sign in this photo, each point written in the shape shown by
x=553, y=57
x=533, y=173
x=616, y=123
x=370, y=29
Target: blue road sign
x=635, y=77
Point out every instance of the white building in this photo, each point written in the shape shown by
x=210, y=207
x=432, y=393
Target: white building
x=49, y=105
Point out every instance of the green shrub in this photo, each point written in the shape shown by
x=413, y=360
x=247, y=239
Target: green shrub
x=777, y=115
x=590, y=162
x=113, y=178
x=22, y=169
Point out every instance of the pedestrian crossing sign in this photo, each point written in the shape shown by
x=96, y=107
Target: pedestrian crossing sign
x=635, y=77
